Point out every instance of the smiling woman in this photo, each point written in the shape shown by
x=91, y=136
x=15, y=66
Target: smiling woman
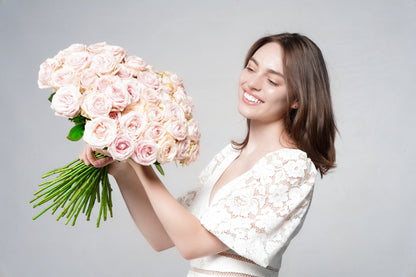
x=252, y=198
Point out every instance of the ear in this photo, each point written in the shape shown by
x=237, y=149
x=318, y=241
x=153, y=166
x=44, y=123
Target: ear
x=295, y=105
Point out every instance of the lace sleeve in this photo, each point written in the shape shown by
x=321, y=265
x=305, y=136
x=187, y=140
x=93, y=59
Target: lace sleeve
x=261, y=216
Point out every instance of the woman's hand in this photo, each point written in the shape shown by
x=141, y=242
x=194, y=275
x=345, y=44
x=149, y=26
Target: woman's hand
x=88, y=157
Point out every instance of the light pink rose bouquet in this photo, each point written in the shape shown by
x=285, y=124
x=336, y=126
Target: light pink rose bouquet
x=118, y=103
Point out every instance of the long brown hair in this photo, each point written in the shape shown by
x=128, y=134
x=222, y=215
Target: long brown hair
x=311, y=126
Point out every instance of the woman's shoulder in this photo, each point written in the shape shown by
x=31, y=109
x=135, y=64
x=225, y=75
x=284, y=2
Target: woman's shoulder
x=293, y=162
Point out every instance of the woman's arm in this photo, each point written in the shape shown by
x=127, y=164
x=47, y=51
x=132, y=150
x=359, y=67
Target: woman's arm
x=184, y=229
x=135, y=197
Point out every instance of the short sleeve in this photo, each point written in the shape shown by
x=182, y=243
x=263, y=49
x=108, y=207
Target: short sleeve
x=259, y=217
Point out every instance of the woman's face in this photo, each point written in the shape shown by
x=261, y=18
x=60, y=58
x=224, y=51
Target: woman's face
x=262, y=88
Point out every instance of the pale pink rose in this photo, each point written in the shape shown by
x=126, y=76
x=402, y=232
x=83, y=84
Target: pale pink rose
x=135, y=63
x=183, y=148
x=97, y=48
x=100, y=132
x=172, y=80
x=64, y=77
x=119, y=95
x=177, y=129
x=193, y=154
x=104, y=63
x=149, y=78
x=154, y=131
x=88, y=78
x=133, y=124
x=135, y=89
x=117, y=52
x=187, y=107
x=73, y=48
x=105, y=81
x=125, y=72
x=78, y=61
x=134, y=107
x=167, y=150
x=47, y=68
x=151, y=96
x=145, y=152
x=122, y=147
x=173, y=112
x=180, y=95
x=115, y=115
x=66, y=102
x=96, y=104
x=193, y=130
x=155, y=113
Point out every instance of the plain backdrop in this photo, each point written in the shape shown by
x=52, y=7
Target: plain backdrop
x=362, y=219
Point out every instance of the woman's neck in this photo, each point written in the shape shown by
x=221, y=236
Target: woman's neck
x=267, y=137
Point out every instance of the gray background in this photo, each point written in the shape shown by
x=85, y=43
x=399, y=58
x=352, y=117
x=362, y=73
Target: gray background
x=362, y=220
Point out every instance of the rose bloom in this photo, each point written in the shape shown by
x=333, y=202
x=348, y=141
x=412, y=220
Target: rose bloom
x=125, y=72
x=149, y=78
x=73, y=48
x=66, y=101
x=100, y=132
x=135, y=63
x=46, y=70
x=64, y=77
x=96, y=104
x=133, y=124
x=134, y=88
x=151, y=96
x=88, y=78
x=78, y=61
x=97, y=48
x=154, y=131
x=145, y=152
x=117, y=52
x=135, y=107
x=105, y=81
x=174, y=112
x=119, y=95
x=193, y=154
x=104, y=63
x=172, y=80
x=183, y=148
x=122, y=147
x=177, y=129
x=167, y=150
x=115, y=115
x=155, y=113
x=193, y=130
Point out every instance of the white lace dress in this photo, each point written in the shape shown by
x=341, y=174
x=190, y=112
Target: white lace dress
x=256, y=215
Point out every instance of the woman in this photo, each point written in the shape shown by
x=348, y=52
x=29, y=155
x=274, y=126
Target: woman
x=253, y=196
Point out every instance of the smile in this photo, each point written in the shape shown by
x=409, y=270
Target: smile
x=251, y=98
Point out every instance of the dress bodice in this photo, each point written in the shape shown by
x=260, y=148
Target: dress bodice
x=256, y=214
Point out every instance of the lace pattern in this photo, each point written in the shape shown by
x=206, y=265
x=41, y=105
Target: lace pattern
x=259, y=212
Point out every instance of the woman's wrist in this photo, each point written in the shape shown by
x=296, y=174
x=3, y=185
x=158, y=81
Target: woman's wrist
x=118, y=168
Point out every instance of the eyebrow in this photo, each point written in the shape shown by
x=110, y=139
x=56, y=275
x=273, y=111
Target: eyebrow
x=268, y=70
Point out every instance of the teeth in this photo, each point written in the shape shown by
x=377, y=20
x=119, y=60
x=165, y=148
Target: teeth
x=251, y=98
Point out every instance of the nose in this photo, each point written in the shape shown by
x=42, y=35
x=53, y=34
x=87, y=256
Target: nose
x=254, y=83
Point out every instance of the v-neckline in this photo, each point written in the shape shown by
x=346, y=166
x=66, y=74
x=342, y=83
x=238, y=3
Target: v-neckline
x=225, y=165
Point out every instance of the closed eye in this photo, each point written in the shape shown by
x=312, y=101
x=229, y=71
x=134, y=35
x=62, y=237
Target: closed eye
x=273, y=83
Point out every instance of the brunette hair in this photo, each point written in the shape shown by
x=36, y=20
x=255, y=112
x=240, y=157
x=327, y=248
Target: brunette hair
x=311, y=126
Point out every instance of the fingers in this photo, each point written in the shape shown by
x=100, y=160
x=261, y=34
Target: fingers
x=102, y=162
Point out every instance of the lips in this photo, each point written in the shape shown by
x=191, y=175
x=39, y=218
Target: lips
x=251, y=98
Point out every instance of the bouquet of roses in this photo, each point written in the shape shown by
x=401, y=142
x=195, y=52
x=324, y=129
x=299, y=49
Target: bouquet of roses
x=118, y=103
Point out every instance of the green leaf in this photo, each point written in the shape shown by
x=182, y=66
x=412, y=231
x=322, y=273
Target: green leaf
x=76, y=132
x=159, y=168
x=79, y=119
x=51, y=96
